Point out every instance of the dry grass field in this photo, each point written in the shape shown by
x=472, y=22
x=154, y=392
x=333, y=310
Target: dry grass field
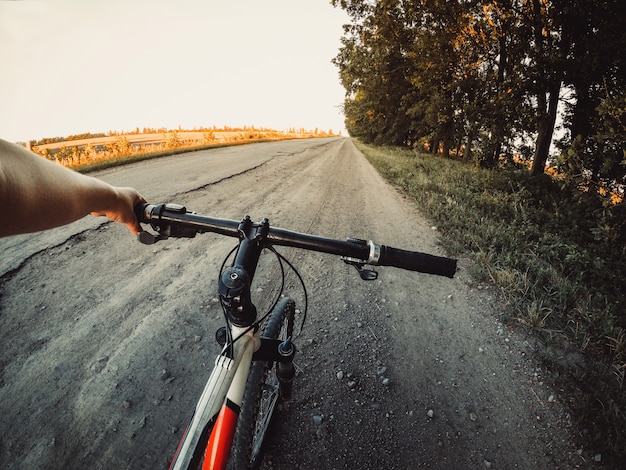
x=90, y=153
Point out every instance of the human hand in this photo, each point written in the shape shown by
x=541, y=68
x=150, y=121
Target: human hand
x=121, y=208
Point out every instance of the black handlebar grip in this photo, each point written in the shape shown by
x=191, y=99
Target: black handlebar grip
x=140, y=212
x=414, y=261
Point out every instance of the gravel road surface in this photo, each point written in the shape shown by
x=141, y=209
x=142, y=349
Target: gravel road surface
x=107, y=343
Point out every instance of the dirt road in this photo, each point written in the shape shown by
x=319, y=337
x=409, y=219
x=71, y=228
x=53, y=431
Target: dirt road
x=106, y=343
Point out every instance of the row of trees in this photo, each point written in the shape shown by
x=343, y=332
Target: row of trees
x=162, y=130
x=69, y=138
x=484, y=79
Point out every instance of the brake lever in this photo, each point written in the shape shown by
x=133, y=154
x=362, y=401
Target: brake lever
x=366, y=274
x=148, y=238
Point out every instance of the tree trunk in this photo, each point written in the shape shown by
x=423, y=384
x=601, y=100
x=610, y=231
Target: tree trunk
x=583, y=108
x=445, y=152
x=545, y=129
x=467, y=151
x=496, y=153
x=434, y=143
x=499, y=127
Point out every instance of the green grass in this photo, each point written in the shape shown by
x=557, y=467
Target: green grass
x=538, y=244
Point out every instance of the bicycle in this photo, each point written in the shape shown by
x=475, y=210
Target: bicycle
x=254, y=369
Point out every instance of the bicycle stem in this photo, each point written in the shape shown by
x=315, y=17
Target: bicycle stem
x=234, y=283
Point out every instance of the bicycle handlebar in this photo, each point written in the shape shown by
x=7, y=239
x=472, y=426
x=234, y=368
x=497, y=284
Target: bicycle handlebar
x=173, y=220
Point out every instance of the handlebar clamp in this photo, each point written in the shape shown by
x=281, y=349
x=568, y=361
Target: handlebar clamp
x=374, y=256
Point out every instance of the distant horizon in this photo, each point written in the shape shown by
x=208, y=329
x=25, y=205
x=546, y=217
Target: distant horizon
x=153, y=130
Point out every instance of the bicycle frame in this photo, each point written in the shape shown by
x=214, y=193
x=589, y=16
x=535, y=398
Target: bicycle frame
x=222, y=394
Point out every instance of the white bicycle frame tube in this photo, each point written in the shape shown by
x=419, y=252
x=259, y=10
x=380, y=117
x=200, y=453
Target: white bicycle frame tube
x=228, y=379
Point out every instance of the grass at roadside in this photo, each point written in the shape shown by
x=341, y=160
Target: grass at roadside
x=535, y=242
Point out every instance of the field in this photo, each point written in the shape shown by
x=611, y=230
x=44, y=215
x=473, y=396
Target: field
x=91, y=152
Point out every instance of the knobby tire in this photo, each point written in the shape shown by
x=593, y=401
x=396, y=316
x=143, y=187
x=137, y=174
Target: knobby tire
x=257, y=407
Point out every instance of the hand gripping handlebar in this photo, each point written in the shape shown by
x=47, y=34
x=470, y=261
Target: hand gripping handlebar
x=173, y=220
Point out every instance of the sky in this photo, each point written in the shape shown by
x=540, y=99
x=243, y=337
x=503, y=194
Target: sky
x=75, y=66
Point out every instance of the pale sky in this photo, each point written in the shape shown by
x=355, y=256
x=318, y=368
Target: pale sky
x=74, y=66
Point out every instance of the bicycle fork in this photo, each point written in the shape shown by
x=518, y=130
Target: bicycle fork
x=285, y=371
x=279, y=352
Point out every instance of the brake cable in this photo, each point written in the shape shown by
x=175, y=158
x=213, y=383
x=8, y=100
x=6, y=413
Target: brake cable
x=280, y=258
x=306, y=296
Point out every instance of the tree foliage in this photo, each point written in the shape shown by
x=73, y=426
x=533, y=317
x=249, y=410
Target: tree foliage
x=484, y=79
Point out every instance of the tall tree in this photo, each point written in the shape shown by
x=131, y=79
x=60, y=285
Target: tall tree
x=373, y=71
x=502, y=80
x=595, y=74
x=548, y=51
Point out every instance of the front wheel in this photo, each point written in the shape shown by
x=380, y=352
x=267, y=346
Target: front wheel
x=261, y=394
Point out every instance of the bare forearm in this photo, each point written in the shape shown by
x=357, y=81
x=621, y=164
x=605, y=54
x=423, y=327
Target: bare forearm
x=37, y=194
